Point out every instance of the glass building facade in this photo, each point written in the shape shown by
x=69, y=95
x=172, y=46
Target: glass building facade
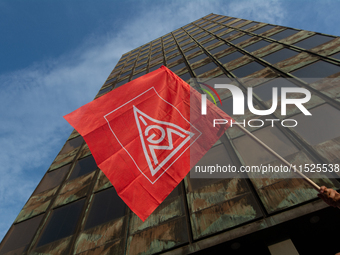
x=75, y=209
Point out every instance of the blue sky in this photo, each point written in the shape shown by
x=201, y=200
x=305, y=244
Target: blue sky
x=55, y=55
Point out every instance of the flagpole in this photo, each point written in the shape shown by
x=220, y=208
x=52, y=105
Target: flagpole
x=305, y=178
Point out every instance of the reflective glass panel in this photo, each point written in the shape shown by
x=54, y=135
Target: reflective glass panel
x=62, y=222
x=240, y=39
x=52, y=179
x=106, y=206
x=280, y=55
x=231, y=57
x=256, y=46
x=72, y=144
x=313, y=41
x=247, y=69
x=83, y=166
x=20, y=235
x=205, y=68
x=283, y=34
x=197, y=58
x=262, y=29
x=317, y=70
x=219, y=48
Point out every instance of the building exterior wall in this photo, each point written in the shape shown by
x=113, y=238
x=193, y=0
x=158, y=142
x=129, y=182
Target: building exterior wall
x=75, y=209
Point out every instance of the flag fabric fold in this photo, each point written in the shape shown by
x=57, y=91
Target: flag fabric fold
x=146, y=136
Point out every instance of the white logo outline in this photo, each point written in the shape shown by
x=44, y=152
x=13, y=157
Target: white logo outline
x=153, y=147
x=192, y=142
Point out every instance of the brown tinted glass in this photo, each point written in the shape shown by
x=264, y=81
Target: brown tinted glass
x=262, y=29
x=249, y=25
x=247, y=69
x=316, y=71
x=264, y=91
x=52, y=179
x=253, y=154
x=106, y=206
x=280, y=55
x=102, y=91
x=231, y=57
x=72, y=144
x=217, y=155
x=121, y=83
x=284, y=34
x=20, y=235
x=197, y=58
x=177, y=67
x=313, y=41
x=83, y=166
x=219, y=48
x=256, y=46
x=240, y=39
x=322, y=126
x=210, y=43
x=205, y=68
x=62, y=222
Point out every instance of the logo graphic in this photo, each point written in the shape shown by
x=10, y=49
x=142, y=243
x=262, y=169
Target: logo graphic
x=207, y=91
x=150, y=128
x=158, y=141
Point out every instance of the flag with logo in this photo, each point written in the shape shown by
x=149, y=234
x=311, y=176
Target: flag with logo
x=147, y=135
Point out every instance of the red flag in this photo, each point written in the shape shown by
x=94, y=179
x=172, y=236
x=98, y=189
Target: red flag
x=147, y=135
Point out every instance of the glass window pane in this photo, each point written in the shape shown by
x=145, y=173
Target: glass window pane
x=237, y=23
x=155, y=67
x=197, y=58
x=121, y=83
x=322, y=126
x=177, y=67
x=231, y=57
x=204, y=38
x=212, y=28
x=317, y=71
x=191, y=51
x=280, y=55
x=313, y=41
x=228, y=21
x=205, y=68
x=83, y=166
x=217, y=155
x=138, y=75
x=185, y=76
x=241, y=39
x=247, y=69
x=126, y=73
x=62, y=222
x=171, y=53
x=188, y=45
x=262, y=29
x=337, y=56
x=256, y=46
x=174, y=59
x=284, y=34
x=52, y=179
x=210, y=43
x=229, y=34
x=253, y=154
x=72, y=144
x=219, y=48
x=111, y=80
x=106, y=206
x=264, y=91
x=221, y=30
x=249, y=25
x=140, y=67
x=20, y=235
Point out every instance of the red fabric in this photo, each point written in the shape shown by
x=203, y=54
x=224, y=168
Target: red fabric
x=147, y=135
